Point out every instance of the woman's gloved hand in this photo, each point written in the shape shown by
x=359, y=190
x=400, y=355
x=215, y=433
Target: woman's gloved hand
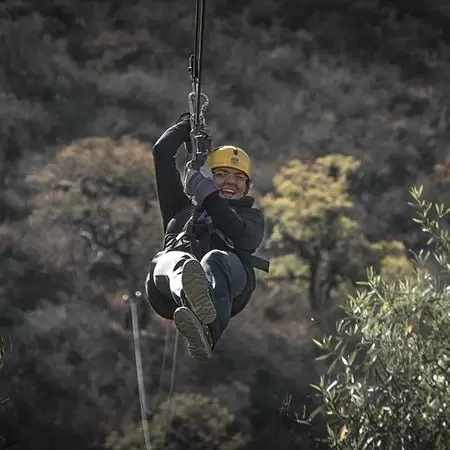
x=198, y=184
x=183, y=117
x=185, y=120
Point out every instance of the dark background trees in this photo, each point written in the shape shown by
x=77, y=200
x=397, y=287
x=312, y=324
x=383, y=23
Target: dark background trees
x=87, y=87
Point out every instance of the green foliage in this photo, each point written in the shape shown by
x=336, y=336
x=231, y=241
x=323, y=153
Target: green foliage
x=315, y=237
x=197, y=423
x=93, y=174
x=25, y=271
x=392, y=388
x=111, y=68
x=103, y=190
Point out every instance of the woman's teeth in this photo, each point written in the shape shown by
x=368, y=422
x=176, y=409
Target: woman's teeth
x=229, y=191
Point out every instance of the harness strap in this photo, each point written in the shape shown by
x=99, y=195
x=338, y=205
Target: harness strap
x=191, y=232
x=202, y=245
x=253, y=260
x=256, y=261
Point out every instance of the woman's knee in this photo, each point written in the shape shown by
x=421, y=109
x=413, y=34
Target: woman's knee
x=229, y=265
x=161, y=304
x=165, y=261
x=220, y=257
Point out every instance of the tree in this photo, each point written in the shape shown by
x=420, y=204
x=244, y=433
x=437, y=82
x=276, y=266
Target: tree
x=197, y=422
x=393, y=387
x=95, y=210
x=315, y=237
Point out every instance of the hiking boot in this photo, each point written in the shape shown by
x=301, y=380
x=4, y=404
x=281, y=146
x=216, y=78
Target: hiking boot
x=196, y=291
x=195, y=333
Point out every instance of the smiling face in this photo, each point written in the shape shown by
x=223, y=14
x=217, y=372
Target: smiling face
x=231, y=182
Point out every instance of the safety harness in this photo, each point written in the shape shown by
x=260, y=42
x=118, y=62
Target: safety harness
x=202, y=230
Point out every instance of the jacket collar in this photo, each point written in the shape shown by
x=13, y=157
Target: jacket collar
x=244, y=202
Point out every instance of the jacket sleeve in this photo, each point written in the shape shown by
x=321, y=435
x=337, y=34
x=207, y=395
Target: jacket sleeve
x=169, y=187
x=246, y=231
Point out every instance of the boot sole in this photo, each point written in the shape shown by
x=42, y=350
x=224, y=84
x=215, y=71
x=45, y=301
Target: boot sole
x=191, y=329
x=195, y=288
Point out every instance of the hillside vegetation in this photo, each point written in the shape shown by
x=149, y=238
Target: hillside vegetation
x=342, y=105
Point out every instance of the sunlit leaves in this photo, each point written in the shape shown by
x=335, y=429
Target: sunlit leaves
x=314, y=227
x=387, y=384
x=196, y=421
x=95, y=172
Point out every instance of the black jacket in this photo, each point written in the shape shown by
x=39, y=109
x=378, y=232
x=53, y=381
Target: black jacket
x=237, y=226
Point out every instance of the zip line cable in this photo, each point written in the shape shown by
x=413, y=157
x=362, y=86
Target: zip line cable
x=198, y=54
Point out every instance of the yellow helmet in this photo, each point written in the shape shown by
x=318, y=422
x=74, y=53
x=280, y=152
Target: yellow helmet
x=230, y=156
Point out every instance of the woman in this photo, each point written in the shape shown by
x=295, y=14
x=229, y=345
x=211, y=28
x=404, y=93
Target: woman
x=204, y=274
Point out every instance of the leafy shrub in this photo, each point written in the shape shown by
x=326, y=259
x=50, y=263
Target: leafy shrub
x=197, y=423
x=392, y=388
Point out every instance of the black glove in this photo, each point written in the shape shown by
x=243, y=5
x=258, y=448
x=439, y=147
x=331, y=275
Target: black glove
x=185, y=118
